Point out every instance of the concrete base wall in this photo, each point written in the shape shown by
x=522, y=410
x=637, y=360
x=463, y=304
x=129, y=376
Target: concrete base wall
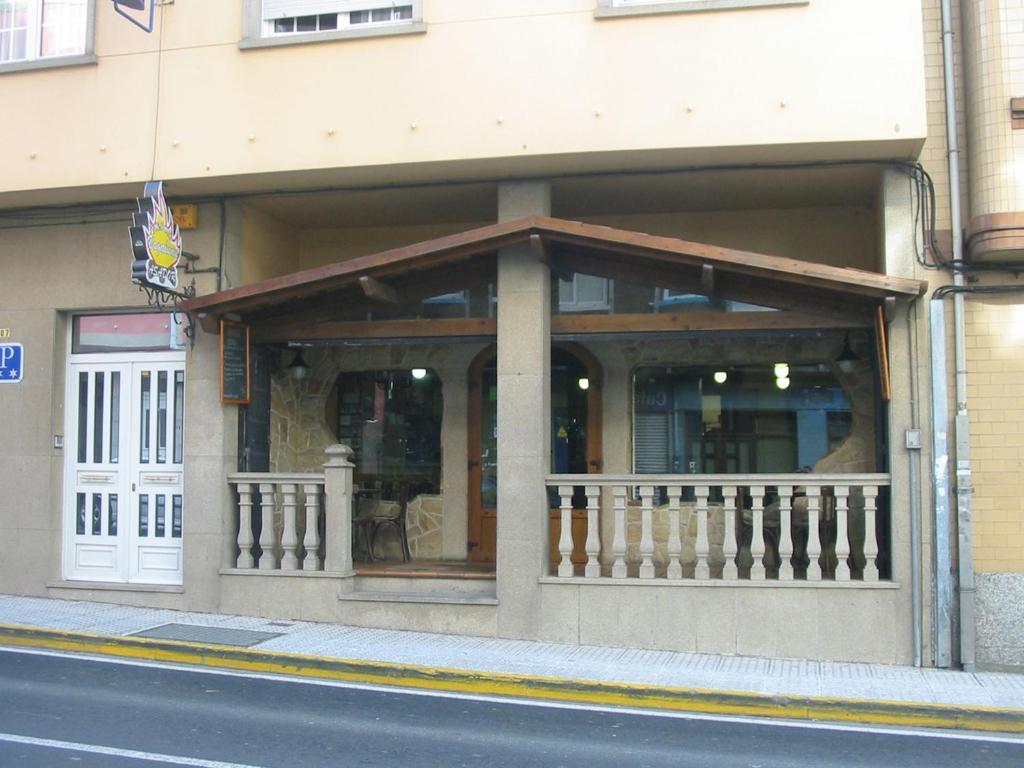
x=798, y=622
x=999, y=602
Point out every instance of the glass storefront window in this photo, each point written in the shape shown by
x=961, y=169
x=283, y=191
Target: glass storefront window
x=740, y=419
x=392, y=421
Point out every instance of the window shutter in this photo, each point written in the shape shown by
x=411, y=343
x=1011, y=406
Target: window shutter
x=276, y=9
x=651, y=443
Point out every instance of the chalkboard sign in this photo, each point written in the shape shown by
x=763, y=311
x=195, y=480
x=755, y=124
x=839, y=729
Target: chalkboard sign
x=234, y=362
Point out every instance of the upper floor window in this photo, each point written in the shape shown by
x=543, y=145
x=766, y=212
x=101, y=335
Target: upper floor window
x=607, y=8
x=331, y=18
x=42, y=29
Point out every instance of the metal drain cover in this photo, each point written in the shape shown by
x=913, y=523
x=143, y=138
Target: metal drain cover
x=197, y=633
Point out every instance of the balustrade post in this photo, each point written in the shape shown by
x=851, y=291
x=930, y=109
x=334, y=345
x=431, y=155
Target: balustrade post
x=757, y=570
x=338, y=509
x=311, y=541
x=289, y=535
x=842, y=493
x=729, y=547
x=565, y=569
x=702, y=546
x=785, y=533
x=593, y=545
x=619, y=533
x=674, y=548
x=268, y=562
x=870, y=539
x=813, y=538
x=245, y=537
x=646, y=531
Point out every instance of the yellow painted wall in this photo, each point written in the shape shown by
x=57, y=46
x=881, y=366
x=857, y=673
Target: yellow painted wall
x=517, y=84
x=270, y=248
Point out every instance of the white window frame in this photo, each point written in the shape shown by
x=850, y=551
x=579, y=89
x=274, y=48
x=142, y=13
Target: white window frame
x=608, y=9
x=259, y=34
x=36, y=61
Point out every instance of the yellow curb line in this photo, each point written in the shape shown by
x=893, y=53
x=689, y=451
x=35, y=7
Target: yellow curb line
x=692, y=700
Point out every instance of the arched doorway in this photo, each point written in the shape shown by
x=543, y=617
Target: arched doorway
x=576, y=381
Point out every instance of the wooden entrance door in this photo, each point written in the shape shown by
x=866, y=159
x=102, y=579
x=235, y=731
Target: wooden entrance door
x=578, y=447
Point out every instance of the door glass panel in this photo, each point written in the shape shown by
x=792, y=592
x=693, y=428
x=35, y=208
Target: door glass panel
x=179, y=413
x=83, y=417
x=161, y=417
x=115, y=416
x=161, y=509
x=97, y=514
x=112, y=514
x=97, y=418
x=144, y=407
x=489, y=438
x=176, y=516
x=80, y=514
x=144, y=515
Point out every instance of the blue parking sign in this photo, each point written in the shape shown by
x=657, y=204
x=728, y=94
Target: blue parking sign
x=11, y=370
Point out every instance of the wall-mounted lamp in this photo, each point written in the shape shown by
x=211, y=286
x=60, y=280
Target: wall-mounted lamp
x=298, y=368
x=721, y=377
x=782, y=382
x=781, y=370
x=847, y=359
x=419, y=373
x=583, y=383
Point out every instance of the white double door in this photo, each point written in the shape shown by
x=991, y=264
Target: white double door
x=124, y=474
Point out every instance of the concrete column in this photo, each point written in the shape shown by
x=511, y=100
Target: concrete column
x=524, y=421
x=338, y=510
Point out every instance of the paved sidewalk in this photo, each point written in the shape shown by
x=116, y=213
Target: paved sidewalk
x=681, y=681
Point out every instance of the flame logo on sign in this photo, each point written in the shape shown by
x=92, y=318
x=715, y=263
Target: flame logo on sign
x=163, y=238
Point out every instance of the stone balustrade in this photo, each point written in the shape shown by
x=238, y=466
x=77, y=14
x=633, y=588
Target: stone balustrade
x=723, y=527
x=285, y=509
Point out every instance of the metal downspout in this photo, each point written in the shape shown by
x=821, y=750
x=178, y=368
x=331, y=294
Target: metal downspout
x=962, y=424
x=915, y=489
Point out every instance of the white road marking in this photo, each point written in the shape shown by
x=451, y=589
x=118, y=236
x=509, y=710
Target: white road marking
x=931, y=733
x=96, y=749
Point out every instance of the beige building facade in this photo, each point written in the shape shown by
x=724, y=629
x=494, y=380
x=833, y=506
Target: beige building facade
x=517, y=279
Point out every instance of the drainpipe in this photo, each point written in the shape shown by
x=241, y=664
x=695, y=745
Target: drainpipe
x=962, y=423
x=915, y=488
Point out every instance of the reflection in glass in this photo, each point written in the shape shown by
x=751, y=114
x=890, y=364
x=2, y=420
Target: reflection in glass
x=97, y=514
x=179, y=413
x=80, y=514
x=83, y=417
x=144, y=515
x=112, y=514
x=161, y=509
x=97, y=418
x=161, y=417
x=176, y=516
x=145, y=381
x=115, y=416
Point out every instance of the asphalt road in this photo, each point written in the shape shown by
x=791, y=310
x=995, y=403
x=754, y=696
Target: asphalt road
x=65, y=711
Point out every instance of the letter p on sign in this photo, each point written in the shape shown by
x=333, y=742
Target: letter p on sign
x=11, y=356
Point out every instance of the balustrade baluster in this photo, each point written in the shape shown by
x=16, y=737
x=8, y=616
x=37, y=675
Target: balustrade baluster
x=729, y=548
x=267, y=560
x=870, y=540
x=757, y=570
x=674, y=548
x=311, y=541
x=565, y=569
x=646, y=531
x=619, y=533
x=701, y=570
x=813, y=539
x=842, y=493
x=289, y=535
x=245, y=537
x=593, y=545
x=785, y=533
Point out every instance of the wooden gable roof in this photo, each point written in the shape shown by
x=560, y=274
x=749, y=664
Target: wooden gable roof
x=571, y=246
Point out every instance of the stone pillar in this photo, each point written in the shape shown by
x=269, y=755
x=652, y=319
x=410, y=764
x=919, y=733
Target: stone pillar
x=338, y=510
x=524, y=420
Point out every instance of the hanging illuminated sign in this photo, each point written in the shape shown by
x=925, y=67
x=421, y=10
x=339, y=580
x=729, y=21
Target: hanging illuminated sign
x=156, y=241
